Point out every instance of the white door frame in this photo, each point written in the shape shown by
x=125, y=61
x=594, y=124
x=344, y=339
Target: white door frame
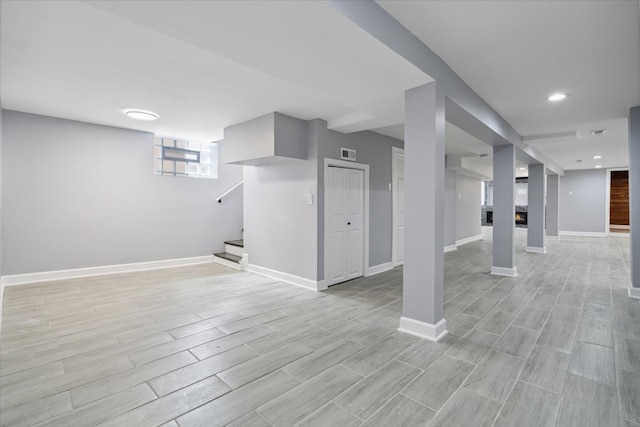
x=607, y=212
x=327, y=212
x=394, y=249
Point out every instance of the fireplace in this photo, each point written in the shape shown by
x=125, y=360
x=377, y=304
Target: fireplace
x=521, y=218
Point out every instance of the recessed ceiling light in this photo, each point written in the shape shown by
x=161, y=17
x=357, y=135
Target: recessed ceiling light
x=598, y=166
x=523, y=169
x=598, y=132
x=597, y=157
x=557, y=97
x=141, y=115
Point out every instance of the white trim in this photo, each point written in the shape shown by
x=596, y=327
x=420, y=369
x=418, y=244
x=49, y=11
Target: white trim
x=634, y=292
x=350, y=165
x=394, y=172
x=286, y=277
x=619, y=227
x=552, y=237
x=377, y=269
x=47, y=276
x=468, y=239
x=227, y=263
x=502, y=271
x=536, y=250
x=233, y=249
x=422, y=329
x=450, y=248
x=582, y=233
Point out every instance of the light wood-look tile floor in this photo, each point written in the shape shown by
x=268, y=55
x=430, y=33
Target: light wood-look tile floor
x=205, y=345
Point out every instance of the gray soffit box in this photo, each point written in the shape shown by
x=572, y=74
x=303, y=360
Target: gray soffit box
x=266, y=139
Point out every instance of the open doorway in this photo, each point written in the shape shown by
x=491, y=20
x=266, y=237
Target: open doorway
x=618, y=201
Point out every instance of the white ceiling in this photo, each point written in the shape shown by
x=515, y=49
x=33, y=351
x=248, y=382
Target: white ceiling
x=200, y=65
x=516, y=53
x=205, y=65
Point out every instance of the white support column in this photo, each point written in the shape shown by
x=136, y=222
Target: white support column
x=553, y=183
x=535, y=210
x=504, y=208
x=423, y=280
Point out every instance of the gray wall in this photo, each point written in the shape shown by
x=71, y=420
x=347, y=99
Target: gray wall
x=280, y=227
x=522, y=194
x=372, y=149
x=450, y=197
x=582, y=201
x=83, y=195
x=468, y=209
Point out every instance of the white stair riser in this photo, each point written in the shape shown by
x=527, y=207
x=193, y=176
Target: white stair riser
x=235, y=250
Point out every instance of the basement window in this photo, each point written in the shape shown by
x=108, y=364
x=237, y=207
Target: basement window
x=174, y=157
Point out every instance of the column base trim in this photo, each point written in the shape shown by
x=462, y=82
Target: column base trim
x=424, y=330
x=552, y=237
x=536, y=250
x=634, y=292
x=502, y=271
x=450, y=248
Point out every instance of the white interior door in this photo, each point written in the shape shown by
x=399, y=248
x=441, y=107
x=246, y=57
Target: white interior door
x=398, y=208
x=345, y=193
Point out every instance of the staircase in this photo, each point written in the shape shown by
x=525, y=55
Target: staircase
x=232, y=254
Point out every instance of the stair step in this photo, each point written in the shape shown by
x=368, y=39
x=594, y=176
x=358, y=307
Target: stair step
x=239, y=243
x=229, y=257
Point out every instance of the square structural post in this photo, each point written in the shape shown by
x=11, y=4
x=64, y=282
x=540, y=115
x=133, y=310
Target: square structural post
x=423, y=277
x=535, y=210
x=504, y=210
x=552, y=206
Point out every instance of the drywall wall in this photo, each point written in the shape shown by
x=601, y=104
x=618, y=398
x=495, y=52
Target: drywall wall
x=374, y=150
x=582, y=201
x=522, y=194
x=266, y=139
x=280, y=225
x=468, y=209
x=450, y=196
x=83, y=195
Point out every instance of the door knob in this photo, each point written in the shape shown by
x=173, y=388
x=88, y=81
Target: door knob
x=348, y=223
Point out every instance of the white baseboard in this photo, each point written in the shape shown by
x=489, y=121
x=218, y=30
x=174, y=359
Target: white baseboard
x=450, y=248
x=422, y=329
x=536, y=250
x=47, y=276
x=582, y=234
x=377, y=269
x=502, y=271
x=619, y=227
x=634, y=292
x=286, y=277
x=552, y=237
x=468, y=239
x=227, y=263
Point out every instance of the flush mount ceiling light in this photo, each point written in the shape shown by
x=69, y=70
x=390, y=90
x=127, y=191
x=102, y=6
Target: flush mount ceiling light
x=598, y=132
x=522, y=169
x=598, y=166
x=557, y=97
x=141, y=115
x=597, y=157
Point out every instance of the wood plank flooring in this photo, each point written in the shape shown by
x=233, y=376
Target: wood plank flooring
x=559, y=345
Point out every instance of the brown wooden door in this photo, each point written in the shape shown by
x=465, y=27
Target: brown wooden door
x=619, y=206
